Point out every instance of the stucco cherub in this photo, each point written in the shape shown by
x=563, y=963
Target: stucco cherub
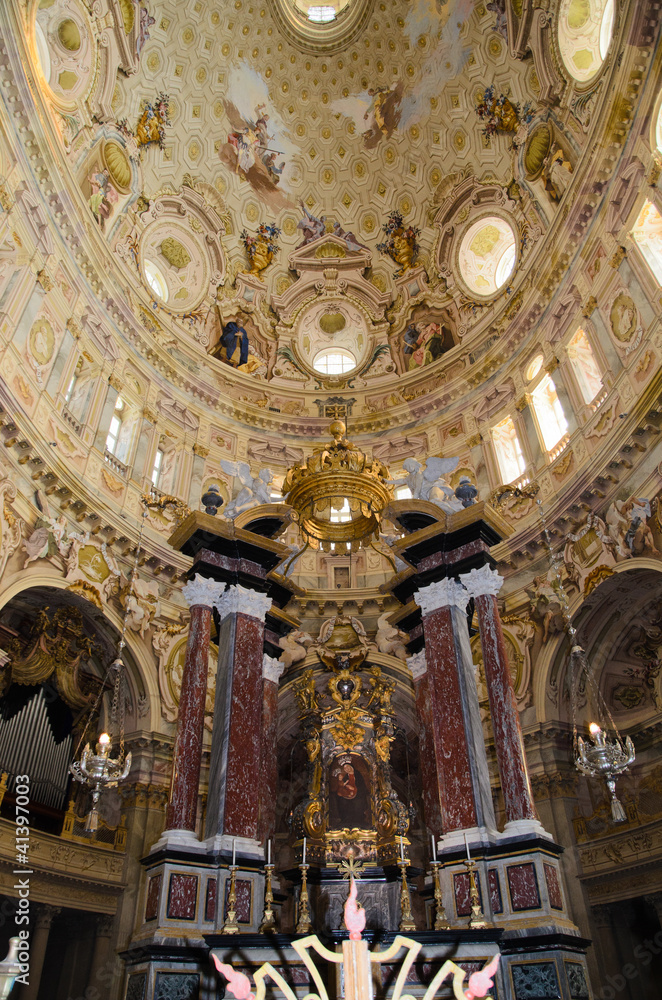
x=255, y=489
x=390, y=639
x=295, y=646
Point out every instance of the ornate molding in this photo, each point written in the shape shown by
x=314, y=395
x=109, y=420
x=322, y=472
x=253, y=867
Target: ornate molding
x=446, y=593
x=482, y=581
x=241, y=599
x=202, y=591
x=272, y=668
x=417, y=665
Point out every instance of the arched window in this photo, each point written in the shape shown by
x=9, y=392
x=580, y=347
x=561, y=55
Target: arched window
x=647, y=234
x=120, y=432
x=156, y=470
x=113, y=437
x=584, y=366
x=549, y=412
x=508, y=451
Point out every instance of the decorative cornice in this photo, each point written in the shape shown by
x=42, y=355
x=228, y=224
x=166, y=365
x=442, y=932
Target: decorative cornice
x=271, y=668
x=241, y=599
x=202, y=591
x=482, y=581
x=417, y=665
x=445, y=593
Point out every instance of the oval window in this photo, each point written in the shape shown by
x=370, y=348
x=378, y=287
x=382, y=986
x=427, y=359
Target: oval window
x=334, y=361
x=534, y=367
x=585, y=31
x=488, y=253
x=156, y=281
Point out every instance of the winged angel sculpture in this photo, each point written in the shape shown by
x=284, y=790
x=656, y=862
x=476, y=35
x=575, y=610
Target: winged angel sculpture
x=254, y=489
x=357, y=960
x=427, y=482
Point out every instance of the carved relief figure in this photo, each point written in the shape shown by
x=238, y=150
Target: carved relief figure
x=295, y=646
x=424, y=343
x=558, y=172
x=48, y=539
x=255, y=490
x=311, y=227
x=153, y=121
x=427, y=482
x=390, y=639
x=401, y=243
x=103, y=196
x=261, y=248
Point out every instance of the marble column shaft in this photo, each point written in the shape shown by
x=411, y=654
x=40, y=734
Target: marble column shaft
x=271, y=671
x=201, y=593
x=38, y=945
x=451, y=718
x=235, y=773
x=483, y=585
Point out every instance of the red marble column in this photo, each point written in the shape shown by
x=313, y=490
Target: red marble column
x=483, y=585
x=233, y=807
x=201, y=594
x=449, y=782
x=271, y=671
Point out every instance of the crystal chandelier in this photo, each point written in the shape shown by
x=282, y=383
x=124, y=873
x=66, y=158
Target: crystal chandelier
x=601, y=757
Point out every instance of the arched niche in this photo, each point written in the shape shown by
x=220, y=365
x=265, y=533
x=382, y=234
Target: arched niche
x=604, y=619
x=104, y=624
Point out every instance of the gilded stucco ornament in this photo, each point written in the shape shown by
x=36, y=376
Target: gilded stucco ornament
x=332, y=476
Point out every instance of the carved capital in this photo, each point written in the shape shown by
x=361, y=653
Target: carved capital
x=474, y=440
x=522, y=402
x=150, y=414
x=45, y=280
x=74, y=328
x=116, y=382
x=589, y=307
x=248, y=602
x=202, y=591
x=553, y=363
x=442, y=594
x=45, y=915
x=272, y=668
x=482, y=581
x=618, y=257
x=417, y=664
x=201, y=450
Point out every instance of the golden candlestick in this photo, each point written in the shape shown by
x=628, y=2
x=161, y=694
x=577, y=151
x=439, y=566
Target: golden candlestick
x=476, y=921
x=268, y=920
x=406, y=917
x=441, y=920
x=303, y=923
x=231, y=926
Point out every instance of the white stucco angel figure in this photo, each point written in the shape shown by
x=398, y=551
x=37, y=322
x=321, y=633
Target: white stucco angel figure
x=254, y=491
x=295, y=646
x=427, y=482
x=48, y=538
x=390, y=639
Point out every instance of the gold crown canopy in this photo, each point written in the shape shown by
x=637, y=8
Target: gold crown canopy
x=334, y=476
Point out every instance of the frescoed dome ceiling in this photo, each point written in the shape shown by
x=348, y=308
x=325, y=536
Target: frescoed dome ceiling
x=249, y=168
x=356, y=133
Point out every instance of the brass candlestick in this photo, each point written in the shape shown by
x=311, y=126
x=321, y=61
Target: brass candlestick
x=406, y=918
x=268, y=921
x=303, y=923
x=231, y=926
x=441, y=921
x=476, y=920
